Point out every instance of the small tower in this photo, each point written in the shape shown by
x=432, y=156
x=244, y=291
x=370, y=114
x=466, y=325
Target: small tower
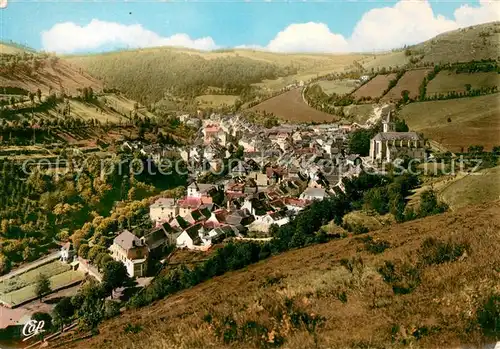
x=388, y=125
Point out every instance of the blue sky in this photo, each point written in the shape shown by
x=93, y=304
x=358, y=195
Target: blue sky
x=294, y=26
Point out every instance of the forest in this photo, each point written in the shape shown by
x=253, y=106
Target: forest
x=146, y=76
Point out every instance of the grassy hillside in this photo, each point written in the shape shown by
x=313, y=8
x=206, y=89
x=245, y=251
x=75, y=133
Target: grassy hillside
x=31, y=71
x=447, y=81
x=457, y=123
x=334, y=296
x=291, y=107
x=462, y=45
x=476, y=188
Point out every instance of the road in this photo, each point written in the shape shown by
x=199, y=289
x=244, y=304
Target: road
x=29, y=266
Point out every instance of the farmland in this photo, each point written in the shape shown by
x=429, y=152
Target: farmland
x=291, y=107
x=448, y=81
x=21, y=288
x=457, y=123
x=410, y=82
x=374, y=88
x=339, y=87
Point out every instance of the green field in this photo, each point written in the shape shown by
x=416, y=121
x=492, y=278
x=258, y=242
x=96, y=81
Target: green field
x=21, y=288
x=24, y=279
x=473, y=189
x=216, y=100
x=339, y=87
x=457, y=123
x=28, y=292
x=448, y=81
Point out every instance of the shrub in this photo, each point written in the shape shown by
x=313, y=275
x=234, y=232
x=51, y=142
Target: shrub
x=403, y=277
x=488, y=316
x=375, y=246
x=433, y=251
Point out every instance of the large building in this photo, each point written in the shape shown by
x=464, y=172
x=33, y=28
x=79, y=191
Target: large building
x=131, y=251
x=389, y=145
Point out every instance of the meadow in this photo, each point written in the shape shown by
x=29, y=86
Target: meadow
x=457, y=123
x=374, y=88
x=339, y=87
x=410, y=81
x=448, y=81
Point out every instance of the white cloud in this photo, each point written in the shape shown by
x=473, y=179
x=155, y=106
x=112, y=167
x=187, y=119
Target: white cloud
x=68, y=37
x=407, y=22
x=310, y=37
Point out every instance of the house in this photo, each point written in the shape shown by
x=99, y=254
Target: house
x=239, y=217
x=131, y=251
x=389, y=145
x=195, y=190
x=159, y=237
x=313, y=194
x=67, y=252
x=163, y=209
x=264, y=223
x=191, y=237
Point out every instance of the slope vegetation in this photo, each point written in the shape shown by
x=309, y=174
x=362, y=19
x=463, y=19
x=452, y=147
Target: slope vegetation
x=457, y=123
x=342, y=294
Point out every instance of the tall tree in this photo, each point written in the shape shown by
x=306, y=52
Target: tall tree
x=114, y=275
x=42, y=286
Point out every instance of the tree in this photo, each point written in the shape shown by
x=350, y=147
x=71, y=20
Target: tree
x=91, y=311
x=63, y=312
x=39, y=95
x=83, y=251
x=45, y=317
x=114, y=275
x=359, y=142
x=468, y=87
x=4, y=264
x=405, y=95
x=42, y=286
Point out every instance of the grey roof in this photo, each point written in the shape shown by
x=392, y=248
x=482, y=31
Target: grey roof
x=395, y=136
x=127, y=240
x=315, y=192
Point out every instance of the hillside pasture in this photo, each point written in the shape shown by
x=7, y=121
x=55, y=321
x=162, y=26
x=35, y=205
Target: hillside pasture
x=374, y=88
x=216, y=100
x=410, y=81
x=475, y=188
x=339, y=87
x=290, y=106
x=448, y=81
x=472, y=121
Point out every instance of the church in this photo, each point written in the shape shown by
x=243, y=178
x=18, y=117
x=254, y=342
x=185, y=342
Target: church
x=389, y=145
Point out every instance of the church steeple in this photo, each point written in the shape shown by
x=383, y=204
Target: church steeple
x=388, y=125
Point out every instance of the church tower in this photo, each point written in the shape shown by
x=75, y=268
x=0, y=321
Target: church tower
x=388, y=125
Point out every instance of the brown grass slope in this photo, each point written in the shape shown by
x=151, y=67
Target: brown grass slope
x=342, y=309
x=52, y=76
x=290, y=106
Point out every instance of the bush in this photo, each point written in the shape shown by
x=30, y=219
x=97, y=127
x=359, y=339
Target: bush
x=433, y=251
x=403, y=277
x=375, y=246
x=111, y=309
x=488, y=316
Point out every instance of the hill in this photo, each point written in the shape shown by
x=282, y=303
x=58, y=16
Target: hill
x=32, y=71
x=334, y=294
x=291, y=107
x=457, y=123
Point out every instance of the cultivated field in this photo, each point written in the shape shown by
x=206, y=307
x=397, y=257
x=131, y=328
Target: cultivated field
x=356, y=308
x=410, y=81
x=473, y=121
x=21, y=288
x=339, y=87
x=216, y=100
x=447, y=81
x=374, y=88
x=290, y=106
x=476, y=188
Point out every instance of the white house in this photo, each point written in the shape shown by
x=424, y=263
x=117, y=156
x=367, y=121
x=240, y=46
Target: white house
x=163, y=209
x=131, y=251
x=193, y=238
x=313, y=194
x=67, y=252
x=195, y=190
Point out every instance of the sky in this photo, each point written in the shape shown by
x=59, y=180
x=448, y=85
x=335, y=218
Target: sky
x=294, y=26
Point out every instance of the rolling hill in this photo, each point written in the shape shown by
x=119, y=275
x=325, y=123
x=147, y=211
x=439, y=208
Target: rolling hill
x=333, y=296
x=149, y=73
